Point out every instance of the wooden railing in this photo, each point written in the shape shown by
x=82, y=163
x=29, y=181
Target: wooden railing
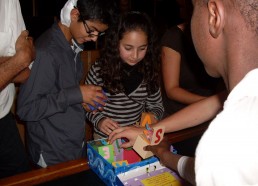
x=43, y=175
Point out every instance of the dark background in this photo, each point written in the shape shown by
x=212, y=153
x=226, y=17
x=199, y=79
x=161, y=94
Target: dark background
x=41, y=14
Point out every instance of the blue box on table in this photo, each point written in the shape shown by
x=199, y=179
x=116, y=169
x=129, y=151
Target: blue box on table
x=105, y=167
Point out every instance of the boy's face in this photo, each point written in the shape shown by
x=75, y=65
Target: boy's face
x=88, y=30
x=203, y=42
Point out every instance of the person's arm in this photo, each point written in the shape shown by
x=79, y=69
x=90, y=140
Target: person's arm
x=171, y=61
x=194, y=114
x=22, y=76
x=190, y=116
x=92, y=79
x=182, y=164
x=11, y=66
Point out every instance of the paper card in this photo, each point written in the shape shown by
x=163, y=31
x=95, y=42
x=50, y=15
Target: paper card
x=120, y=163
x=118, y=152
x=157, y=135
x=150, y=175
x=147, y=118
x=131, y=156
x=107, y=152
x=161, y=179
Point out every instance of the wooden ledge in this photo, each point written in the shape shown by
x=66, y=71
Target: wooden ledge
x=185, y=134
x=43, y=175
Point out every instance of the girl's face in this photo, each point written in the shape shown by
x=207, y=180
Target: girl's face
x=133, y=46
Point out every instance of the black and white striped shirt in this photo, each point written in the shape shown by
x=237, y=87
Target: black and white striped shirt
x=122, y=108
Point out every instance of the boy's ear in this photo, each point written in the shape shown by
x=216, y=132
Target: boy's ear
x=74, y=14
x=216, y=17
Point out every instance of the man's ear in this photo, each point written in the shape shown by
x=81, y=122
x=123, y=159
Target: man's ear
x=216, y=17
x=74, y=14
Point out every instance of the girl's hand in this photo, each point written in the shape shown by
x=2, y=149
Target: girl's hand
x=130, y=133
x=107, y=125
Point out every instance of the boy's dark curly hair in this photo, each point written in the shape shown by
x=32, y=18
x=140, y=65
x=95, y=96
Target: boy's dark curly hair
x=110, y=60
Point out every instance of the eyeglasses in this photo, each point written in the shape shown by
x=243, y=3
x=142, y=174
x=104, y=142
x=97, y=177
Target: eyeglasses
x=90, y=32
x=87, y=28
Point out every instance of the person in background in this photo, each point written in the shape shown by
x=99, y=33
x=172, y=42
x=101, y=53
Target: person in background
x=16, y=54
x=184, y=78
x=50, y=102
x=128, y=72
x=225, y=35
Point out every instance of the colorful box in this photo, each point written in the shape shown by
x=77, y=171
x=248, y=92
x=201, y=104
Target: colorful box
x=104, y=169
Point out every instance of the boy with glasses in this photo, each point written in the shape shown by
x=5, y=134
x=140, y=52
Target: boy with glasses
x=51, y=101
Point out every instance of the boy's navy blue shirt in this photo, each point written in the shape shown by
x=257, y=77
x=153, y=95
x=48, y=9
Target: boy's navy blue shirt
x=50, y=102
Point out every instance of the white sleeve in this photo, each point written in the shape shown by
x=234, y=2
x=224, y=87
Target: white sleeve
x=185, y=169
x=12, y=24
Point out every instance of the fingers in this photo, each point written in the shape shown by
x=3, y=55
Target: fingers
x=126, y=145
x=107, y=131
x=86, y=107
x=116, y=134
x=147, y=148
x=107, y=125
x=24, y=47
x=25, y=33
x=93, y=95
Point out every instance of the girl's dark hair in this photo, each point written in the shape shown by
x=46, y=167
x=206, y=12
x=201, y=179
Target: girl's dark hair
x=110, y=60
x=104, y=11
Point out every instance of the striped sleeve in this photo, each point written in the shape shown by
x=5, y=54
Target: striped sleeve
x=154, y=104
x=93, y=78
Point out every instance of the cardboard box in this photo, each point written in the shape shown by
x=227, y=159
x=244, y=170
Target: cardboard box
x=101, y=164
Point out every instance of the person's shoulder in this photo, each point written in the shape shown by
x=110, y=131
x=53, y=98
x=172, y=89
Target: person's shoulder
x=172, y=35
x=172, y=31
x=45, y=39
x=52, y=41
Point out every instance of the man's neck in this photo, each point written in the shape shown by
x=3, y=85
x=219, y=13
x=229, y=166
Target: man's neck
x=3, y=59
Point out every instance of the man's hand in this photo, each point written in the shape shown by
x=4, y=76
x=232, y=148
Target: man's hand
x=130, y=133
x=25, y=50
x=160, y=149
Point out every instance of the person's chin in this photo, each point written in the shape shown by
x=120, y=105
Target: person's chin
x=212, y=73
x=132, y=63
